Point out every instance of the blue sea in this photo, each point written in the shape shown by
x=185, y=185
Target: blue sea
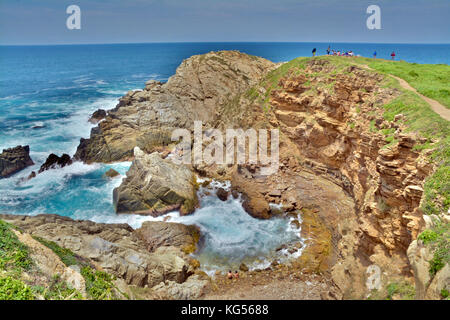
x=47, y=94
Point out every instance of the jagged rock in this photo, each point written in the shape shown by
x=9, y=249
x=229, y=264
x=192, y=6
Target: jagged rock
x=154, y=186
x=31, y=175
x=53, y=162
x=161, y=234
x=192, y=289
x=222, y=194
x=13, y=160
x=243, y=267
x=111, y=173
x=201, y=87
x=114, y=248
x=97, y=116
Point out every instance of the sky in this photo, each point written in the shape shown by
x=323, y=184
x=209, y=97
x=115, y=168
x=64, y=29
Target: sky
x=118, y=21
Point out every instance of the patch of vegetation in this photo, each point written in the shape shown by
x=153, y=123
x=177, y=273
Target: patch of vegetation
x=57, y=290
x=99, y=284
x=431, y=80
x=437, y=191
x=382, y=205
x=14, y=289
x=428, y=236
x=438, y=241
x=444, y=293
x=404, y=290
x=14, y=255
x=67, y=256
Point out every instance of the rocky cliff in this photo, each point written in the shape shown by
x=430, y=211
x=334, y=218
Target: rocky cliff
x=200, y=87
x=350, y=174
x=13, y=160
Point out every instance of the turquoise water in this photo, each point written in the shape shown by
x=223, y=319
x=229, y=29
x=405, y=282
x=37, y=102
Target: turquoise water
x=48, y=92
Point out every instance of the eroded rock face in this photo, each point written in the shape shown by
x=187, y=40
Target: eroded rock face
x=13, y=160
x=331, y=126
x=155, y=186
x=115, y=248
x=201, y=86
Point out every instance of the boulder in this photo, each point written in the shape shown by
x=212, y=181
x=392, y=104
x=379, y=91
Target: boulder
x=111, y=173
x=154, y=186
x=193, y=288
x=162, y=234
x=13, y=160
x=53, y=162
x=97, y=116
x=222, y=194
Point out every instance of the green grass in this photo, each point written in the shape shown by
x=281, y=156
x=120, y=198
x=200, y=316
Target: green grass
x=57, y=290
x=14, y=255
x=431, y=80
x=99, y=284
x=404, y=289
x=428, y=236
x=66, y=255
x=438, y=241
x=14, y=289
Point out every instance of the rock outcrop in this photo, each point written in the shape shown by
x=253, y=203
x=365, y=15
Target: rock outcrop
x=13, y=160
x=97, y=116
x=53, y=161
x=154, y=186
x=161, y=234
x=427, y=286
x=115, y=248
x=202, y=85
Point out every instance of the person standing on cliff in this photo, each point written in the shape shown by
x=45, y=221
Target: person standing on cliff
x=374, y=54
x=328, y=51
x=314, y=52
x=393, y=55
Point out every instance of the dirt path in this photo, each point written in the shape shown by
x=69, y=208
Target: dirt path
x=435, y=106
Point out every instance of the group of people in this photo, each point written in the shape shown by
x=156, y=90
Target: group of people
x=231, y=276
x=335, y=53
x=350, y=53
x=392, y=55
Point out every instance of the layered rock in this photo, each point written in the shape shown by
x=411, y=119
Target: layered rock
x=154, y=186
x=114, y=248
x=146, y=118
x=161, y=234
x=13, y=160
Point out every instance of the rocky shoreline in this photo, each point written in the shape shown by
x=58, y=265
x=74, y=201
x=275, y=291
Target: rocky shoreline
x=357, y=193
